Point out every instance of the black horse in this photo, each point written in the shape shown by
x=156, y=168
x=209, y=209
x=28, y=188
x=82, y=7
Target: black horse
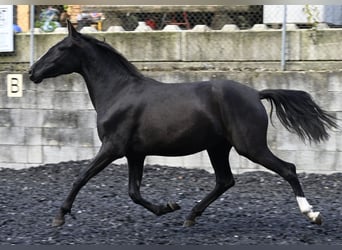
x=138, y=116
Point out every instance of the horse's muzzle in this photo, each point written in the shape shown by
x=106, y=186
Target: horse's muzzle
x=32, y=77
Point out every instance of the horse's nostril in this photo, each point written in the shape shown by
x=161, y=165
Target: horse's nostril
x=30, y=72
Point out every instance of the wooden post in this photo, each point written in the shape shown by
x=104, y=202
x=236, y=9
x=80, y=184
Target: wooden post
x=73, y=11
x=23, y=17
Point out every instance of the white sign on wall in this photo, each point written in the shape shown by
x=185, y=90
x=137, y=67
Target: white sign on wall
x=14, y=85
x=6, y=28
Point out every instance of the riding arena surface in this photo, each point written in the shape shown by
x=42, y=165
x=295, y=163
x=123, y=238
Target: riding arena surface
x=259, y=209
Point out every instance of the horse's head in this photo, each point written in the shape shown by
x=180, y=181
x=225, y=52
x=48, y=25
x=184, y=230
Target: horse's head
x=62, y=58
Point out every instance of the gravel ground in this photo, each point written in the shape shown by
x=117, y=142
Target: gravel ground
x=259, y=209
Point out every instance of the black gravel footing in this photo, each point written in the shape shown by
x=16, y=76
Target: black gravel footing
x=259, y=209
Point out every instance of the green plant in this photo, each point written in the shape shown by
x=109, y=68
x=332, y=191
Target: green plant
x=312, y=14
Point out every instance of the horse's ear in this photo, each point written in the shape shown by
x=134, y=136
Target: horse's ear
x=72, y=31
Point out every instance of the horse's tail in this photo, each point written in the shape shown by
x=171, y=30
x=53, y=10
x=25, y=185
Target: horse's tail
x=300, y=114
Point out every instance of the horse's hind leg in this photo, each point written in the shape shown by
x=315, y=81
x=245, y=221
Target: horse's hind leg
x=219, y=157
x=249, y=138
x=265, y=157
x=135, y=172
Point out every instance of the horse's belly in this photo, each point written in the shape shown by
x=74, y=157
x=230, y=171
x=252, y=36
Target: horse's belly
x=171, y=149
x=175, y=149
x=177, y=126
x=178, y=140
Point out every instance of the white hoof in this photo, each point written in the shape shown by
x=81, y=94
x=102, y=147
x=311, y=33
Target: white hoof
x=315, y=217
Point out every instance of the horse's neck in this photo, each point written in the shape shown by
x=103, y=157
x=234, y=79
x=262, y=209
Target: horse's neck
x=104, y=86
x=106, y=78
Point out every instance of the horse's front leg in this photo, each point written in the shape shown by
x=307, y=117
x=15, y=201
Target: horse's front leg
x=102, y=160
x=135, y=167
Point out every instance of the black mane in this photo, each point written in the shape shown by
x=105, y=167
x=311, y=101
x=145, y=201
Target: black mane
x=121, y=61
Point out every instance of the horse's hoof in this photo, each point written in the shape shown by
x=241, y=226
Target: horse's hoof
x=188, y=223
x=317, y=219
x=173, y=205
x=57, y=222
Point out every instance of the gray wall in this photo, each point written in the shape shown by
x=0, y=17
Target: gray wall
x=55, y=121
x=306, y=49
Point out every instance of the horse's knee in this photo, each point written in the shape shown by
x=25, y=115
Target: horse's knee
x=224, y=185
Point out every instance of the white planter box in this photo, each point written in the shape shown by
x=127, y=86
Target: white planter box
x=330, y=14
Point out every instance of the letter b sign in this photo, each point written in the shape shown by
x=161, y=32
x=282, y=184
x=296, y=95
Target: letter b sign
x=14, y=85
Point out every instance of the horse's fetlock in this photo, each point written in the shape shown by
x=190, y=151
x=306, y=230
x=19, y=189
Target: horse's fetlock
x=195, y=213
x=65, y=210
x=135, y=198
x=158, y=211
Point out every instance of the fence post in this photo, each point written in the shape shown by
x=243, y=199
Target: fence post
x=32, y=35
x=283, y=40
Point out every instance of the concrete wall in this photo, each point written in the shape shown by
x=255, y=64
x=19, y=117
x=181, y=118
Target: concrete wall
x=306, y=49
x=55, y=121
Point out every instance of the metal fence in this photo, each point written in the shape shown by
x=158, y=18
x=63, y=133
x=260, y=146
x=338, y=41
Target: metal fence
x=187, y=16
x=47, y=18
x=156, y=17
